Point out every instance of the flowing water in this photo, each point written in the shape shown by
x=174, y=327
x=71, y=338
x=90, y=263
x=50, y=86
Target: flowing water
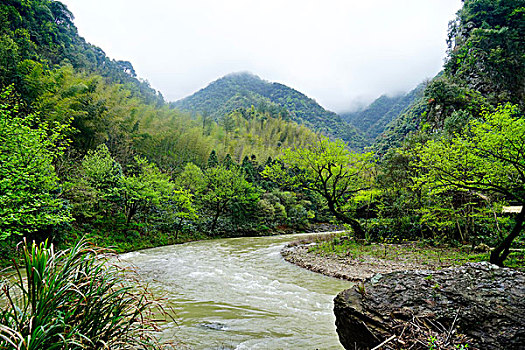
x=239, y=293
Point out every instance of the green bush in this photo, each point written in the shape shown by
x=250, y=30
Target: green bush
x=73, y=299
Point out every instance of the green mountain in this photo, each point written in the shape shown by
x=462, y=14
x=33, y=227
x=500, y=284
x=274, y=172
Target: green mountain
x=485, y=68
x=40, y=35
x=373, y=120
x=243, y=90
x=364, y=118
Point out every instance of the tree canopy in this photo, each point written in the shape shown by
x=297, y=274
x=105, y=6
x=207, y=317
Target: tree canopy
x=488, y=158
x=329, y=169
x=30, y=194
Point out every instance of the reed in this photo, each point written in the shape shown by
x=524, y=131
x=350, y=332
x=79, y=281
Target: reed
x=78, y=298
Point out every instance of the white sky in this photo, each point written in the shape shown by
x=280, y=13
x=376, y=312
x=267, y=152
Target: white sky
x=342, y=53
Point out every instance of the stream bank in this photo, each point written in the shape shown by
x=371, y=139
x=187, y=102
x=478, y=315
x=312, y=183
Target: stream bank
x=341, y=257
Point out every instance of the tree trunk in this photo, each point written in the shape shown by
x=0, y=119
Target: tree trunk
x=356, y=226
x=132, y=211
x=500, y=253
x=215, y=219
x=177, y=229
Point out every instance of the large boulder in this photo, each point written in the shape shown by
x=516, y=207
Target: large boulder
x=478, y=304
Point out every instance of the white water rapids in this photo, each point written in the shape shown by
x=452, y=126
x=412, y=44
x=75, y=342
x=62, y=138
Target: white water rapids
x=239, y=293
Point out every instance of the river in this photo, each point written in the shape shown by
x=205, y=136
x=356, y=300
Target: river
x=239, y=293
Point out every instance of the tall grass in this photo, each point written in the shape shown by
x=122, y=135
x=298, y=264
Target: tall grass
x=73, y=299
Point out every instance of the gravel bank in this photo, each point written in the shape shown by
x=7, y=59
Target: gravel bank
x=343, y=267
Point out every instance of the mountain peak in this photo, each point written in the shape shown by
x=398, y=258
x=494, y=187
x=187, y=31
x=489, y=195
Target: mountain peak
x=241, y=74
x=245, y=89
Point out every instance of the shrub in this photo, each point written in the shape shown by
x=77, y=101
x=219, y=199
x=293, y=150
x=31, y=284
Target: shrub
x=73, y=299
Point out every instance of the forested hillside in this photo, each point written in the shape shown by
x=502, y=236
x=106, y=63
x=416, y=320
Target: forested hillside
x=375, y=118
x=40, y=35
x=243, y=90
x=88, y=148
x=451, y=160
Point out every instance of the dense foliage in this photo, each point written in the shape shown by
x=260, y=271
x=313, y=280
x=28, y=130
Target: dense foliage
x=448, y=163
x=484, y=161
x=29, y=186
x=373, y=120
x=242, y=90
x=88, y=148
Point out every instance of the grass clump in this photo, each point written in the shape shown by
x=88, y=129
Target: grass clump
x=343, y=246
x=74, y=299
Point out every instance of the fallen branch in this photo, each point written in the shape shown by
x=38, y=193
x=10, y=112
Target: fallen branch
x=383, y=343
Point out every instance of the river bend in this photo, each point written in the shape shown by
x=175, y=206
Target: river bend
x=239, y=293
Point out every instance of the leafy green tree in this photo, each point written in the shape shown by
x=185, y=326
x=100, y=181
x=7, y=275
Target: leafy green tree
x=101, y=170
x=227, y=162
x=213, y=161
x=329, y=169
x=29, y=187
x=399, y=200
x=192, y=179
x=98, y=186
x=147, y=189
x=486, y=159
x=176, y=209
x=249, y=167
x=223, y=188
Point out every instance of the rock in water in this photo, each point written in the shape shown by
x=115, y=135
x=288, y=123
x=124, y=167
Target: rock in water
x=478, y=304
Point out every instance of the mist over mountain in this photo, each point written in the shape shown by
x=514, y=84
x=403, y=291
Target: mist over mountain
x=374, y=119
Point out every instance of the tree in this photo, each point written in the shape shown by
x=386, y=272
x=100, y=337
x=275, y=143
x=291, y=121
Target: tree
x=487, y=159
x=191, y=179
x=100, y=182
x=150, y=187
x=329, y=169
x=224, y=187
x=177, y=208
x=213, y=161
x=29, y=188
x=227, y=162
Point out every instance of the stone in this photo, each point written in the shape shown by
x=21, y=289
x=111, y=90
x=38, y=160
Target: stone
x=478, y=304
x=482, y=248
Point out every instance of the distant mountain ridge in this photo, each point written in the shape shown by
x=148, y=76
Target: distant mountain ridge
x=243, y=90
x=376, y=118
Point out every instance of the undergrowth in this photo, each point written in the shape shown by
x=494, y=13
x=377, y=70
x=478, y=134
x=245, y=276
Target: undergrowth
x=415, y=252
x=77, y=298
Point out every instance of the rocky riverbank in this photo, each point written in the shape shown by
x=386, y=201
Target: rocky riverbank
x=364, y=261
x=408, y=298
x=342, y=267
x=478, y=304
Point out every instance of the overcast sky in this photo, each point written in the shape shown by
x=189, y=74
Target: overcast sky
x=342, y=53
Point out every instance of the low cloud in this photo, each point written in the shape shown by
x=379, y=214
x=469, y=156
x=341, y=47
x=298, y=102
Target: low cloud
x=342, y=53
